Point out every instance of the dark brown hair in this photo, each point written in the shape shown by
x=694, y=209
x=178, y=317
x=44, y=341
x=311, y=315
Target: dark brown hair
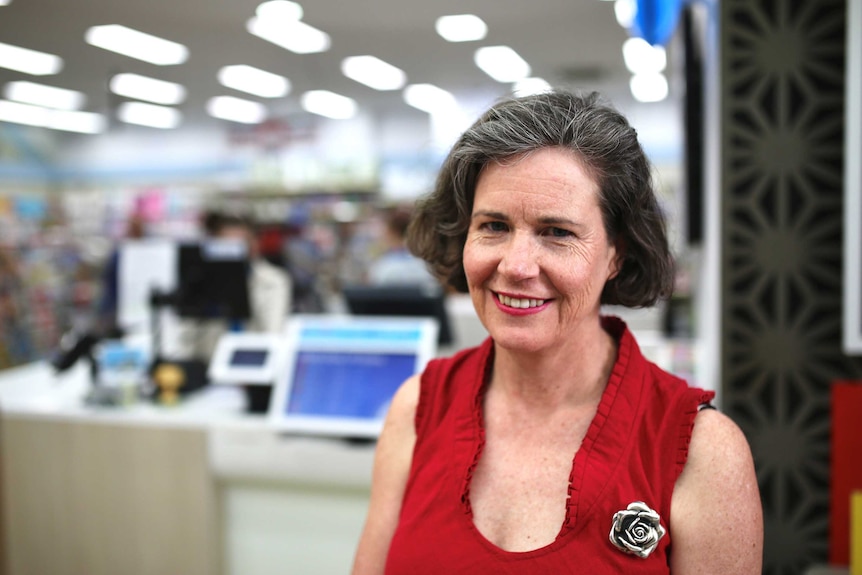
x=608, y=146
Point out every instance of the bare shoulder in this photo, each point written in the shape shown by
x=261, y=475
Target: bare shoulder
x=392, y=460
x=716, y=514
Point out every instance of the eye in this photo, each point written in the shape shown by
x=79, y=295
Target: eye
x=559, y=233
x=495, y=226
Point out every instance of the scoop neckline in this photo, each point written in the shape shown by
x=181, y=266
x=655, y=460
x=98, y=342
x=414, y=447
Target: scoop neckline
x=581, y=459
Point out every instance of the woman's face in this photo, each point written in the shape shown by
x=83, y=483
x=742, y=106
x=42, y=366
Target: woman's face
x=537, y=256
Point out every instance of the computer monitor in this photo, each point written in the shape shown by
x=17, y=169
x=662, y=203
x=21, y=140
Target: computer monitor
x=402, y=300
x=212, y=280
x=342, y=372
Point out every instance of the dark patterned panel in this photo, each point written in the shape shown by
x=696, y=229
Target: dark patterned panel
x=782, y=148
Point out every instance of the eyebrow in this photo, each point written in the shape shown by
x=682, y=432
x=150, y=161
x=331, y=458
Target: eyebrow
x=547, y=220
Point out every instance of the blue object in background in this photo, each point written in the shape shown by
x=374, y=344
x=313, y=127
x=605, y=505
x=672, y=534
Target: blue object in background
x=656, y=20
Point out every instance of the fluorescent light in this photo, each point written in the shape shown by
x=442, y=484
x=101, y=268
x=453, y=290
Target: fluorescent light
x=74, y=121
x=254, y=80
x=236, y=110
x=373, y=72
x=42, y=95
x=649, y=87
x=26, y=114
x=135, y=44
x=149, y=115
x=501, y=63
x=5, y=2
x=642, y=57
x=279, y=10
x=296, y=36
x=625, y=11
x=461, y=27
x=70, y=121
x=29, y=61
x=530, y=86
x=146, y=88
x=329, y=104
x=429, y=98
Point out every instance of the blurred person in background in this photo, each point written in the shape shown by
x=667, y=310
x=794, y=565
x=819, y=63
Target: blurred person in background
x=396, y=265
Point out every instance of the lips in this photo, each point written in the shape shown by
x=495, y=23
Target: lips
x=520, y=303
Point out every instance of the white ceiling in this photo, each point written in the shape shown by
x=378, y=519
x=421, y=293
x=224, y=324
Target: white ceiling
x=575, y=43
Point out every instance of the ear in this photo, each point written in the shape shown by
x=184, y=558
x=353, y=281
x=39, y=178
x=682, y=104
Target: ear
x=616, y=263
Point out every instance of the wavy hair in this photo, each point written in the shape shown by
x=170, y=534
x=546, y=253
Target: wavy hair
x=608, y=147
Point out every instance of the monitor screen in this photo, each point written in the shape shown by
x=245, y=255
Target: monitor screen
x=351, y=384
x=249, y=357
x=342, y=372
x=400, y=300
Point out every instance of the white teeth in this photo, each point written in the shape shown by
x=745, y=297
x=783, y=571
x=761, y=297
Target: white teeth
x=520, y=303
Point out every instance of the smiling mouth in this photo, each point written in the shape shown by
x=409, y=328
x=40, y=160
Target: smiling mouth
x=520, y=303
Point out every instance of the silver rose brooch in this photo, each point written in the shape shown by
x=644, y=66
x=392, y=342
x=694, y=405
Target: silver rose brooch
x=637, y=530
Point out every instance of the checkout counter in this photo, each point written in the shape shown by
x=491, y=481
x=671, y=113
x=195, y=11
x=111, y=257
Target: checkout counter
x=200, y=488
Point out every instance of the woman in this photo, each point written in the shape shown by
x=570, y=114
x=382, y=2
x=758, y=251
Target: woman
x=554, y=447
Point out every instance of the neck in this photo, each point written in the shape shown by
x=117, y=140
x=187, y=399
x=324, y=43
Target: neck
x=569, y=376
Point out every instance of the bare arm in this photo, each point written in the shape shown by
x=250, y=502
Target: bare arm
x=391, y=467
x=716, y=514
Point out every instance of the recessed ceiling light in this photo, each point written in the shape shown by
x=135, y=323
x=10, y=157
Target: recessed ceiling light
x=649, y=87
x=329, y=104
x=149, y=115
x=279, y=10
x=461, y=27
x=42, y=95
x=29, y=61
x=429, y=98
x=642, y=57
x=5, y=2
x=69, y=121
x=530, y=86
x=293, y=35
x=625, y=11
x=254, y=81
x=135, y=44
x=501, y=63
x=75, y=121
x=236, y=110
x=146, y=88
x=373, y=72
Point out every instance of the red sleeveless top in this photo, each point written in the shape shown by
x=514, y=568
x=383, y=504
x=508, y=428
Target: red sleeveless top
x=633, y=452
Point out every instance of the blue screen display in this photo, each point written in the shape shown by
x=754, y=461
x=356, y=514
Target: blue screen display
x=248, y=357
x=339, y=384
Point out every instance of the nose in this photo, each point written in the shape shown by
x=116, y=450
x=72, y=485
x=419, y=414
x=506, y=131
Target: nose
x=519, y=259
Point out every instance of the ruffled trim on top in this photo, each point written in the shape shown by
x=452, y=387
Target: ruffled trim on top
x=478, y=417
x=618, y=330
x=695, y=400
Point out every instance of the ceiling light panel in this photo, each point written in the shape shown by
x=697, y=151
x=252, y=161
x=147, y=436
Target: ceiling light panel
x=69, y=121
x=293, y=35
x=281, y=10
x=642, y=57
x=530, y=86
x=236, y=110
x=5, y=2
x=461, y=27
x=254, y=81
x=429, y=98
x=138, y=45
x=502, y=63
x=42, y=95
x=649, y=87
x=373, y=72
x=329, y=104
x=29, y=61
x=149, y=115
x=148, y=89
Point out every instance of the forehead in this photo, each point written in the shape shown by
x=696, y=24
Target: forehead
x=552, y=177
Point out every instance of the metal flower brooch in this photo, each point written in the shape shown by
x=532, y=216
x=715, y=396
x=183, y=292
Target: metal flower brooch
x=637, y=530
